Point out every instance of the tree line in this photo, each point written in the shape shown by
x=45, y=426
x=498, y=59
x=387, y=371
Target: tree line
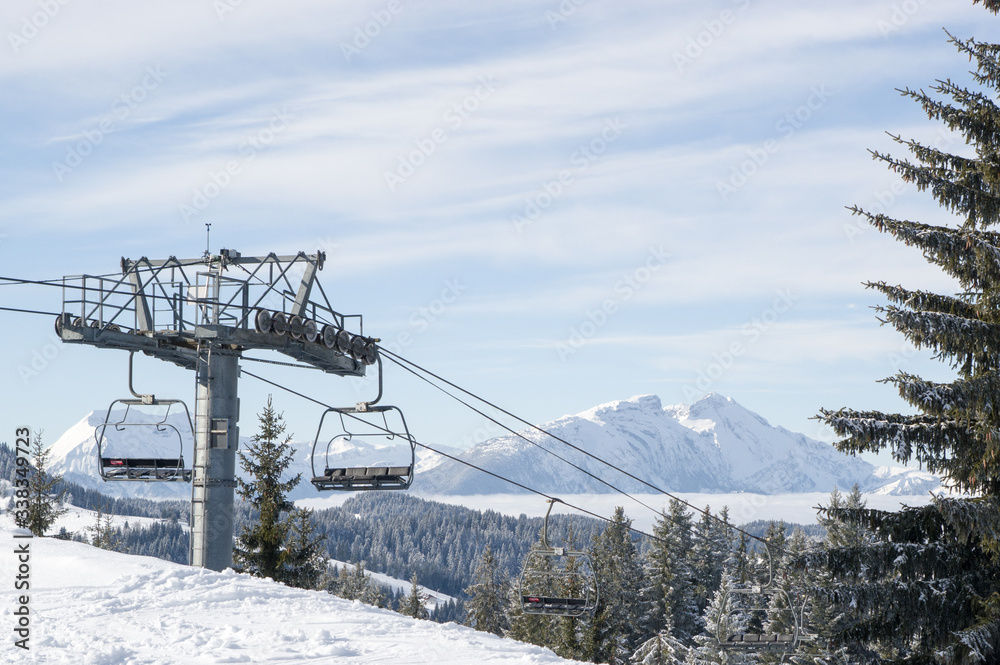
x=666, y=602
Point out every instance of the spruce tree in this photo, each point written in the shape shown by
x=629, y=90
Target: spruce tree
x=44, y=503
x=669, y=595
x=711, y=546
x=305, y=560
x=614, y=632
x=103, y=533
x=840, y=533
x=661, y=649
x=413, y=604
x=488, y=597
x=930, y=591
x=260, y=547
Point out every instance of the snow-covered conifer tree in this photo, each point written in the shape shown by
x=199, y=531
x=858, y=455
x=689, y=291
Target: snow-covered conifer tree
x=931, y=579
x=669, y=595
x=613, y=633
x=486, y=609
x=260, y=547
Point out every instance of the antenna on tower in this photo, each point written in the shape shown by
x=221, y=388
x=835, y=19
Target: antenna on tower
x=208, y=238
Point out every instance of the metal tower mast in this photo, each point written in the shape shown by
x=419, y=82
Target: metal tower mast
x=194, y=313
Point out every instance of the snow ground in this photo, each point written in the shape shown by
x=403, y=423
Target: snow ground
x=92, y=607
x=431, y=597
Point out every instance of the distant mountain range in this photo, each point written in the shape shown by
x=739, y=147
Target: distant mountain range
x=713, y=446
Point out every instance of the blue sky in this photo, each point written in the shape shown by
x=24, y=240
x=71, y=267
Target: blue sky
x=554, y=204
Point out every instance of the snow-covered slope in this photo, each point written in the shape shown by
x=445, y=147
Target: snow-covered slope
x=94, y=607
x=714, y=445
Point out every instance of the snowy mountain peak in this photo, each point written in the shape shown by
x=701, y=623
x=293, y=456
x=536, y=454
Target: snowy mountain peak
x=649, y=405
x=713, y=445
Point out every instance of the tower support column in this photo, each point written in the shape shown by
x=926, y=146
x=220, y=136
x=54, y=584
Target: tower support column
x=216, y=439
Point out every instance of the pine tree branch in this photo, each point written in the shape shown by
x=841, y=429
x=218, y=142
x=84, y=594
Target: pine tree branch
x=966, y=342
x=925, y=301
x=926, y=439
x=971, y=256
x=991, y=5
x=973, y=118
x=961, y=192
x=986, y=55
x=975, y=398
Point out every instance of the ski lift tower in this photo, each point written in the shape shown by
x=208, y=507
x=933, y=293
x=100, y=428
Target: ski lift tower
x=202, y=314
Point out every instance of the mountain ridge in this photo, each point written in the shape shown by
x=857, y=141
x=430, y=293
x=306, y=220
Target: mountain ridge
x=713, y=445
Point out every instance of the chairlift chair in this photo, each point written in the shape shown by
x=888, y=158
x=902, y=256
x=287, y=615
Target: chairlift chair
x=148, y=468
x=555, y=581
x=745, y=611
x=365, y=422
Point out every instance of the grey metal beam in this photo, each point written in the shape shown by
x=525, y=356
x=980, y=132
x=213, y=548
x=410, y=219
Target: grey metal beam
x=243, y=260
x=305, y=288
x=143, y=317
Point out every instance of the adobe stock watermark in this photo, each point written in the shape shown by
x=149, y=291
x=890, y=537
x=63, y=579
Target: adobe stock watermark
x=218, y=181
x=906, y=352
x=563, y=12
x=487, y=430
x=712, y=30
x=424, y=147
x=40, y=359
x=899, y=16
x=363, y=35
x=750, y=333
x=120, y=110
x=32, y=26
x=579, y=162
x=624, y=290
x=424, y=316
x=786, y=127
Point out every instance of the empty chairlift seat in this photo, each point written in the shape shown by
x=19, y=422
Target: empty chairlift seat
x=156, y=429
x=359, y=478
x=758, y=640
x=554, y=606
x=144, y=468
x=379, y=432
x=755, y=618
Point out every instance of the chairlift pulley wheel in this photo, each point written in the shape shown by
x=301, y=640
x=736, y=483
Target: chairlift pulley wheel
x=262, y=322
x=296, y=326
x=329, y=336
x=279, y=323
x=370, y=356
x=343, y=341
x=310, y=331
